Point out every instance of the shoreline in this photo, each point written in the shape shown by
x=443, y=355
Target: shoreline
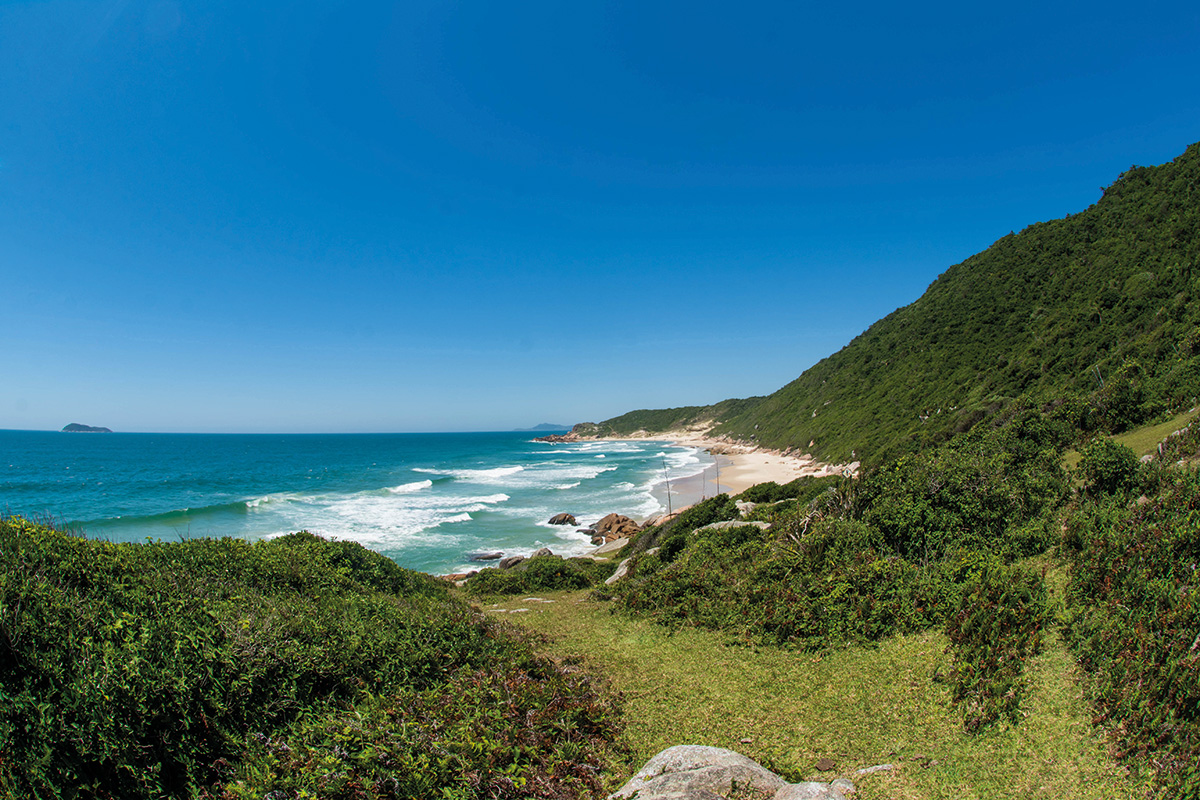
x=738, y=466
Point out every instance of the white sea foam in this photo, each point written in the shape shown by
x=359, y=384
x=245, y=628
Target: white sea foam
x=409, y=488
x=495, y=475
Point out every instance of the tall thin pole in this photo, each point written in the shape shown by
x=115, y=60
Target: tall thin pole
x=717, y=464
x=667, y=475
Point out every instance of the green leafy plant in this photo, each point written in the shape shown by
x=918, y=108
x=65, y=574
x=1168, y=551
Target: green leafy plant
x=996, y=629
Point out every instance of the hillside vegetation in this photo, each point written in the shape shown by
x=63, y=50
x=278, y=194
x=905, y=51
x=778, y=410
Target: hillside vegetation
x=288, y=668
x=1097, y=310
x=988, y=539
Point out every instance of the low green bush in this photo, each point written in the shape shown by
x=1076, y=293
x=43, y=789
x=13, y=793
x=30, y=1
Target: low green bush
x=1108, y=467
x=995, y=630
x=150, y=670
x=1133, y=613
x=801, y=489
x=540, y=574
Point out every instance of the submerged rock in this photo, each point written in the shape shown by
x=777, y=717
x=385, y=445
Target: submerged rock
x=563, y=519
x=486, y=556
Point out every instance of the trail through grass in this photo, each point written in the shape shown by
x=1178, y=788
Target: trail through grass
x=858, y=706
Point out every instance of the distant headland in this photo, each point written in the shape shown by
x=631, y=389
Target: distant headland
x=75, y=427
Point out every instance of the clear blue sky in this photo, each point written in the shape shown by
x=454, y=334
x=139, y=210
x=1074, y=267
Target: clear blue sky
x=364, y=216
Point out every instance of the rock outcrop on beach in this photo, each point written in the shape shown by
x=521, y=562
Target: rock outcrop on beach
x=696, y=772
x=563, y=519
x=557, y=438
x=616, y=526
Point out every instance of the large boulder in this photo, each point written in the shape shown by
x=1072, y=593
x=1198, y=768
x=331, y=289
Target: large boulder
x=563, y=519
x=689, y=770
x=541, y=551
x=616, y=526
x=510, y=562
x=695, y=772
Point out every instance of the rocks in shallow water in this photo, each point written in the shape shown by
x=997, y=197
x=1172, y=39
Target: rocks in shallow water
x=541, y=551
x=486, y=556
x=563, y=519
x=695, y=772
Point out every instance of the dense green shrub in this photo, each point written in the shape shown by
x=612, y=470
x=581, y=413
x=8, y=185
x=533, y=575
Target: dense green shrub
x=801, y=489
x=994, y=632
x=977, y=492
x=714, y=509
x=860, y=560
x=1108, y=466
x=540, y=573
x=140, y=671
x=1134, y=618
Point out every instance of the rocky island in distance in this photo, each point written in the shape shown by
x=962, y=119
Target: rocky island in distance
x=75, y=427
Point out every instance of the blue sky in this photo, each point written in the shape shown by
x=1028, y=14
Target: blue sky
x=326, y=216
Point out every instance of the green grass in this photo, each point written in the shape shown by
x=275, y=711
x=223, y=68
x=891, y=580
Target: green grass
x=1143, y=440
x=858, y=706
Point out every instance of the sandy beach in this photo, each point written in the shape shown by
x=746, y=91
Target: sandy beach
x=737, y=468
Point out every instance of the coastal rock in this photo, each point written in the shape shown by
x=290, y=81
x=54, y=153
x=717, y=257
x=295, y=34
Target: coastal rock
x=623, y=568
x=744, y=507
x=510, y=562
x=486, y=556
x=734, y=523
x=563, y=519
x=616, y=526
x=541, y=551
x=557, y=438
x=695, y=771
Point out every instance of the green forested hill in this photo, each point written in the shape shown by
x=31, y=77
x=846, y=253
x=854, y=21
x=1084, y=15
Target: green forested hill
x=1098, y=307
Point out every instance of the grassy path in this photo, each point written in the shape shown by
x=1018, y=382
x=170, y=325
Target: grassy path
x=858, y=706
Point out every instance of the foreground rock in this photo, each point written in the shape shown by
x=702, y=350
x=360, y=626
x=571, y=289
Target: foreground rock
x=616, y=526
x=695, y=772
x=563, y=519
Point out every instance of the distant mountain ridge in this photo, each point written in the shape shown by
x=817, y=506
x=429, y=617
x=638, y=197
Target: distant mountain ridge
x=1099, y=306
x=545, y=426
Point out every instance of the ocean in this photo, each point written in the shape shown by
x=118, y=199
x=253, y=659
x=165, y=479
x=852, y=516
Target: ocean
x=429, y=501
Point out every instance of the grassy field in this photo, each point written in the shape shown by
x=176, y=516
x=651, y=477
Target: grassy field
x=859, y=706
x=1143, y=440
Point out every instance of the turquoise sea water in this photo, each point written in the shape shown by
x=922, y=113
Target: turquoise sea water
x=428, y=501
